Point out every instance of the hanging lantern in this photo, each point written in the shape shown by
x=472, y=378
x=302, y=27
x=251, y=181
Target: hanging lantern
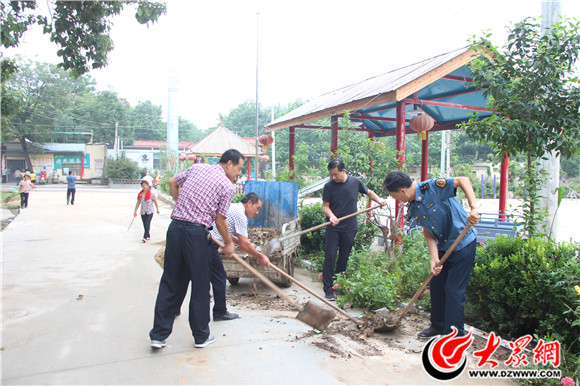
x=266, y=140
x=181, y=157
x=265, y=158
x=422, y=123
x=191, y=157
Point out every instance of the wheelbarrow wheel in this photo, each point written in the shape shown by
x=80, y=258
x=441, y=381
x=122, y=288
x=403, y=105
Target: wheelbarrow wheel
x=234, y=280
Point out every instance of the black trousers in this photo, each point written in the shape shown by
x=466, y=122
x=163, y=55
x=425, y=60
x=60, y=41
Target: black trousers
x=218, y=282
x=448, y=289
x=146, y=218
x=70, y=195
x=218, y=278
x=187, y=258
x=23, y=200
x=335, y=241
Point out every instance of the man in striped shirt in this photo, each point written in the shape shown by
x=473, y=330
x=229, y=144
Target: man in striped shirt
x=203, y=194
x=238, y=216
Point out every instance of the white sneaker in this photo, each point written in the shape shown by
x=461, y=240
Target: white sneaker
x=158, y=343
x=210, y=340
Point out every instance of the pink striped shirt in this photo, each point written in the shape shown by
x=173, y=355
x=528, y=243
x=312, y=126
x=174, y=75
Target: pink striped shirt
x=205, y=191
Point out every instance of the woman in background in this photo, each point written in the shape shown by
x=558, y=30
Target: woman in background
x=24, y=187
x=146, y=199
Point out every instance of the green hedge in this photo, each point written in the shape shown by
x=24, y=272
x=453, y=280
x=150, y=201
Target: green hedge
x=521, y=287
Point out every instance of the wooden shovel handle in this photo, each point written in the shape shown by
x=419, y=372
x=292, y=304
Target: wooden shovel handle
x=422, y=288
x=334, y=306
x=257, y=274
x=328, y=223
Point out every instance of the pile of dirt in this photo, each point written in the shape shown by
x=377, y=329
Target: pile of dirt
x=346, y=339
x=255, y=301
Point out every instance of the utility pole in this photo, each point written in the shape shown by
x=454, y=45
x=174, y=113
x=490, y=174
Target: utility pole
x=442, y=164
x=273, y=148
x=116, y=145
x=257, y=131
x=550, y=162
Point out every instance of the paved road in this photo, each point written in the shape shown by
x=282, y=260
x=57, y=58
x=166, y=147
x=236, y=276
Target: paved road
x=78, y=293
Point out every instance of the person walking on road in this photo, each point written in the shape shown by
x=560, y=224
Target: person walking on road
x=146, y=199
x=203, y=194
x=433, y=205
x=24, y=189
x=18, y=176
x=339, y=199
x=71, y=188
x=237, y=220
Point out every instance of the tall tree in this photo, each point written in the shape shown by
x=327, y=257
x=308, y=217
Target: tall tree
x=146, y=123
x=242, y=119
x=79, y=28
x=45, y=94
x=188, y=131
x=532, y=86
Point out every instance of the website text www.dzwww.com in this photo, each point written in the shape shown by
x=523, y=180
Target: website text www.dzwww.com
x=515, y=373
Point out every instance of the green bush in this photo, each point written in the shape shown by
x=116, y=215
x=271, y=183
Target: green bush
x=521, y=287
x=365, y=235
x=373, y=280
x=415, y=264
x=310, y=216
x=121, y=168
x=367, y=282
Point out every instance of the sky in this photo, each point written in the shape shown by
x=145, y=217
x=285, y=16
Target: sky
x=297, y=49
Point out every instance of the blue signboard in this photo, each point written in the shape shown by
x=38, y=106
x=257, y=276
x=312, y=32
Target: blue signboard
x=60, y=159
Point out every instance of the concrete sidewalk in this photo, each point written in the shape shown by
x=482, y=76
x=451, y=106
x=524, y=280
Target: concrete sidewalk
x=78, y=293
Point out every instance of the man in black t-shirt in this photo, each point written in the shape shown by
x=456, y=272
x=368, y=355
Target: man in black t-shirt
x=339, y=199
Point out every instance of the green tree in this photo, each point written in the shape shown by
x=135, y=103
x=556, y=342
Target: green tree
x=242, y=119
x=531, y=84
x=100, y=112
x=79, y=28
x=45, y=93
x=188, y=131
x=146, y=123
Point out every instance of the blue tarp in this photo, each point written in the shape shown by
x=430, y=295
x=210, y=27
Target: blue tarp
x=280, y=203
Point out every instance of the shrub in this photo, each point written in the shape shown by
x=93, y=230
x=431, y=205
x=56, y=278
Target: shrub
x=373, y=280
x=521, y=287
x=365, y=235
x=121, y=168
x=310, y=216
x=367, y=282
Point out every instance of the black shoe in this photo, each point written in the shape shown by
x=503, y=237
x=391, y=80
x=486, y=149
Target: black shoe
x=226, y=316
x=331, y=297
x=429, y=333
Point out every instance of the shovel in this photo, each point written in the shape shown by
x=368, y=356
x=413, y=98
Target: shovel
x=393, y=326
x=330, y=304
x=274, y=244
x=311, y=314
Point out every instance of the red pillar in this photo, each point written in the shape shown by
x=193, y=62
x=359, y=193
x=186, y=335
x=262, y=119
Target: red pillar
x=82, y=166
x=400, y=110
x=249, y=168
x=371, y=135
x=333, y=136
x=291, y=150
x=425, y=157
x=503, y=186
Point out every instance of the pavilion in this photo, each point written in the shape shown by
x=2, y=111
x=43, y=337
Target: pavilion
x=384, y=105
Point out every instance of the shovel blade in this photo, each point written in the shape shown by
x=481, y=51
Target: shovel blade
x=271, y=247
x=315, y=316
x=386, y=328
